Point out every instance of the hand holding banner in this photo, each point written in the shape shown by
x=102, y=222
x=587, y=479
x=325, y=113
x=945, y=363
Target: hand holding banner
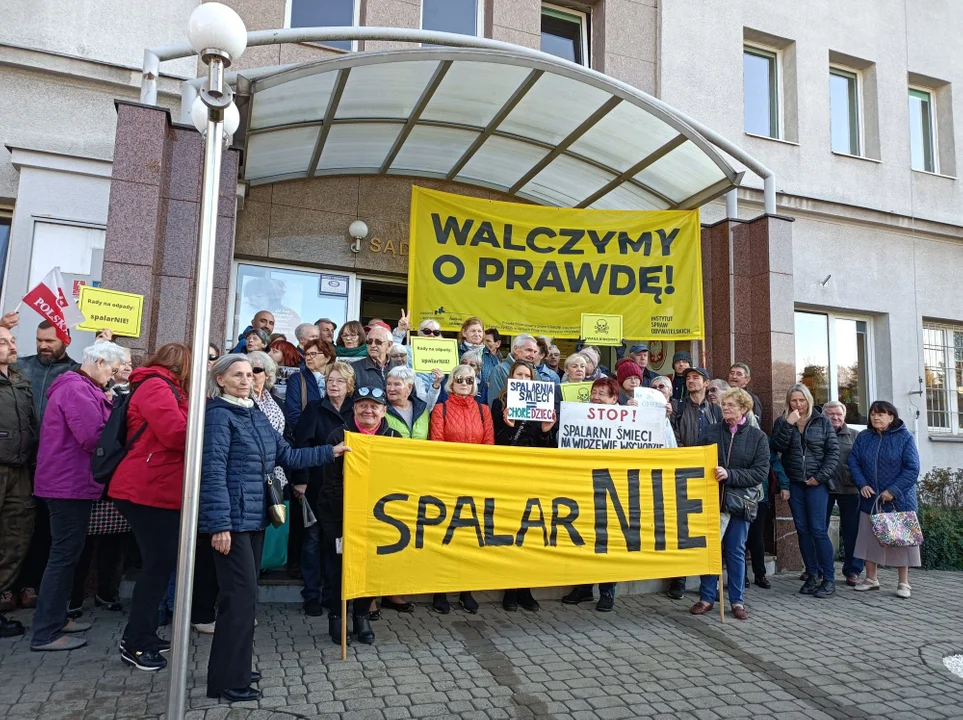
x=431, y=353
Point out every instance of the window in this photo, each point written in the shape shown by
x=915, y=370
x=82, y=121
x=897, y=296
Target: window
x=761, y=91
x=943, y=364
x=565, y=34
x=833, y=361
x=844, y=111
x=323, y=13
x=4, y=244
x=454, y=16
x=922, y=131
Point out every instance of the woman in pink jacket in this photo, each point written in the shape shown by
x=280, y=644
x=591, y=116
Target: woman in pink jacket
x=77, y=410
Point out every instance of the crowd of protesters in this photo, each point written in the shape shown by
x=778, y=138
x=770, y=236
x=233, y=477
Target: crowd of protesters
x=276, y=419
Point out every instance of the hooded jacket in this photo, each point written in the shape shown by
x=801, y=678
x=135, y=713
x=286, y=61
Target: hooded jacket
x=76, y=412
x=813, y=453
x=461, y=419
x=41, y=377
x=886, y=461
x=18, y=420
x=419, y=419
x=240, y=451
x=152, y=472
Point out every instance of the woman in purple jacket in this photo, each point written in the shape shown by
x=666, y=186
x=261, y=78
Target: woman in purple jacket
x=77, y=410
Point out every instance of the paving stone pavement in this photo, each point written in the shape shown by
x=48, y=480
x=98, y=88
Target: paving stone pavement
x=858, y=655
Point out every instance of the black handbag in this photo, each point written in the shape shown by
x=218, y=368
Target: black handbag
x=741, y=503
x=277, y=511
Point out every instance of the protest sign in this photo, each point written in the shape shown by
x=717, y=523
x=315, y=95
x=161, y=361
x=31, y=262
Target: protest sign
x=576, y=392
x=535, y=269
x=531, y=400
x=417, y=514
x=650, y=398
x=601, y=329
x=111, y=309
x=431, y=353
x=610, y=427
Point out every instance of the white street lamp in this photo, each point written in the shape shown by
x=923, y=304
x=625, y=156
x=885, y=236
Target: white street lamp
x=218, y=35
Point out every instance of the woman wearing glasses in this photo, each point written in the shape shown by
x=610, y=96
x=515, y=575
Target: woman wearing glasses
x=350, y=343
x=462, y=420
x=308, y=385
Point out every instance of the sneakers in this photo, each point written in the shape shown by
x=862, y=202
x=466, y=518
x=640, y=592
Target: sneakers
x=578, y=595
x=826, y=590
x=64, y=642
x=207, y=628
x=10, y=628
x=903, y=590
x=468, y=602
x=676, y=589
x=440, y=603
x=163, y=646
x=312, y=608
x=606, y=602
x=148, y=661
x=809, y=587
x=866, y=584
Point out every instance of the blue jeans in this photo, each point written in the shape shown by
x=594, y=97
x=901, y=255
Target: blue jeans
x=311, y=562
x=808, y=505
x=68, y=532
x=734, y=550
x=848, y=529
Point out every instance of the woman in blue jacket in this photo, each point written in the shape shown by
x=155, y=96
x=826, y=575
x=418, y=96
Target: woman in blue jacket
x=885, y=465
x=241, y=449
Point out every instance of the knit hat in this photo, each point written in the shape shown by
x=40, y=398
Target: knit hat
x=628, y=369
x=682, y=355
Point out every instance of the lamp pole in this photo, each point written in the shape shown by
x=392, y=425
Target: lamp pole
x=219, y=36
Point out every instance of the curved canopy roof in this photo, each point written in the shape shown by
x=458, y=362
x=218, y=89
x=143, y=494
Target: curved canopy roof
x=526, y=126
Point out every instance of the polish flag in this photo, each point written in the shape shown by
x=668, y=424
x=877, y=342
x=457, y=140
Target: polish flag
x=50, y=300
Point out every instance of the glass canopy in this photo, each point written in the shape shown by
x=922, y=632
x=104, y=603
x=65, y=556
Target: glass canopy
x=543, y=132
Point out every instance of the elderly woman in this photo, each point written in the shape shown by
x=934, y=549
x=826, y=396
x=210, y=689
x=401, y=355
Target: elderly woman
x=663, y=385
x=475, y=360
x=885, y=465
x=715, y=390
x=471, y=336
x=742, y=470
x=407, y=413
x=629, y=375
x=265, y=375
x=351, y=339
x=398, y=356
x=256, y=339
x=576, y=368
x=76, y=412
x=308, y=385
x=809, y=451
x=461, y=419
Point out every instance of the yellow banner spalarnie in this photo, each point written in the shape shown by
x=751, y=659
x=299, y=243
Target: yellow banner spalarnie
x=423, y=517
x=524, y=268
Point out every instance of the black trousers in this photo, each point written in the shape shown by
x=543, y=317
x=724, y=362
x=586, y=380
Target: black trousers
x=232, y=650
x=156, y=530
x=755, y=542
x=204, y=602
x=330, y=532
x=31, y=571
x=105, y=551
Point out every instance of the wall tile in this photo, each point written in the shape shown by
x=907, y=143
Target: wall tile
x=186, y=159
x=523, y=15
x=334, y=194
x=253, y=229
x=223, y=252
x=517, y=37
x=310, y=236
x=638, y=73
x=174, y=300
x=132, y=219
x=631, y=30
x=140, y=144
x=179, y=231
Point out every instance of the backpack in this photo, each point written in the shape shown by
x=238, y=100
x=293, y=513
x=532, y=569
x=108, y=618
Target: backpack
x=113, y=446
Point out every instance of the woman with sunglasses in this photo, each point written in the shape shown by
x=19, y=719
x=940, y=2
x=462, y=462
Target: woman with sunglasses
x=428, y=385
x=461, y=419
x=212, y=354
x=308, y=385
x=351, y=339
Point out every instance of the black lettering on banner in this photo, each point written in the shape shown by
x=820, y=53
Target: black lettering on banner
x=550, y=278
x=658, y=505
x=489, y=270
x=666, y=240
x=649, y=282
x=439, y=263
x=403, y=531
x=573, y=237
x=529, y=524
x=601, y=242
x=536, y=232
x=684, y=507
x=457, y=521
x=490, y=537
x=424, y=520
x=519, y=272
x=485, y=234
x=617, y=288
x=644, y=243
x=451, y=228
x=508, y=240
x=566, y=521
x=603, y=487
x=584, y=275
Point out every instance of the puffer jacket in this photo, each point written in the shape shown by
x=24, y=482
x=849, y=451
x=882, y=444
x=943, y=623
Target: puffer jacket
x=526, y=433
x=886, y=461
x=419, y=420
x=18, y=420
x=461, y=419
x=240, y=451
x=41, y=377
x=845, y=436
x=745, y=454
x=294, y=399
x=317, y=422
x=77, y=410
x=814, y=453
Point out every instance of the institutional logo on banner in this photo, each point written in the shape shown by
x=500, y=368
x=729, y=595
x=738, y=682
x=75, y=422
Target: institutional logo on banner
x=50, y=300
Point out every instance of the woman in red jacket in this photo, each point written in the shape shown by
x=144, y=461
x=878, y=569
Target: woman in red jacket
x=146, y=487
x=460, y=419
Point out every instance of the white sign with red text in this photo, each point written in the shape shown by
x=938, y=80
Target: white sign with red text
x=610, y=427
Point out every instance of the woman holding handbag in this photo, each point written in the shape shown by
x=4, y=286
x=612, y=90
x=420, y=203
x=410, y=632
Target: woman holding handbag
x=885, y=465
x=743, y=469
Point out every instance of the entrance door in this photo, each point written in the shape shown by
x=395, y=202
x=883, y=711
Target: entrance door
x=383, y=299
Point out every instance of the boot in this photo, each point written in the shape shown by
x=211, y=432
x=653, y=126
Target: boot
x=361, y=627
x=334, y=629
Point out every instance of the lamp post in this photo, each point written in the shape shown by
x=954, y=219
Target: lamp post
x=218, y=35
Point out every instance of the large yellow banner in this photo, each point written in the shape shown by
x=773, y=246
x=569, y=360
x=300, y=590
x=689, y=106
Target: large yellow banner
x=524, y=268
x=423, y=517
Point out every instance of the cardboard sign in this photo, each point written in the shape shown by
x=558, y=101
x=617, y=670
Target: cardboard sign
x=650, y=398
x=531, y=400
x=601, y=329
x=610, y=427
x=117, y=311
x=576, y=392
x=431, y=353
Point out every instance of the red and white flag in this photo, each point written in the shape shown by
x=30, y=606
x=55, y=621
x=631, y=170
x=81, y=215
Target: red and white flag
x=50, y=300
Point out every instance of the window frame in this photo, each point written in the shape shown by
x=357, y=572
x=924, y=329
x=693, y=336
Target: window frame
x=933, y=128
x=355, y=22
x=775, y=80
x=951, y=387
x=856, y=125
x=479, y=18
x=584, y=29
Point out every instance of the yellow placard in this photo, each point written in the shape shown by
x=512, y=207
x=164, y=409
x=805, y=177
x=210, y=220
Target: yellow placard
x=420, y=518
x=601, y=329
x=117, y=311
x=431, y=353
x=576, y=392
x=524, y=268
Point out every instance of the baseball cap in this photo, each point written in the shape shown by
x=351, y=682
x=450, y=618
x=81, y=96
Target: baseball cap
x=377, y=323
x=702, y=371
x=371, y=393
x=639, y=347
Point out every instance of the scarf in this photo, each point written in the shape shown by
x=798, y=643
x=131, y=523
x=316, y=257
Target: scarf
x=240, y=402
x=342, y=351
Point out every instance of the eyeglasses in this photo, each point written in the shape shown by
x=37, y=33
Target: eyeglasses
x=312, y=355
x=375, y=341
x=376, y=393
x=427, y=331
x=464, y=380
x=212, y=358
x=398, y=356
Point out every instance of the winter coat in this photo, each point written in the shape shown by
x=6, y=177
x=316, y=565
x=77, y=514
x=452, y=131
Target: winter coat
x=886, y=461
x=368, y=374
x=76, y=412
x=526, y=433
x=41, y=377
x=490, y=361
x=814, y=453
x=420, y=419
x=679, y=390
x=18, y=420
x=845, y=436
x=317, y=422
x=461, y=419
x=240, y=452
x=745, y=453
x=294, y=401
x=152, y=472
x=708, y=414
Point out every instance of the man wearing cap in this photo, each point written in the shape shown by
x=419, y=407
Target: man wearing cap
x=639, y=354
x=681, y=362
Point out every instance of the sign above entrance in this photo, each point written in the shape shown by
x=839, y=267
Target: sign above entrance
x=532, y=269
